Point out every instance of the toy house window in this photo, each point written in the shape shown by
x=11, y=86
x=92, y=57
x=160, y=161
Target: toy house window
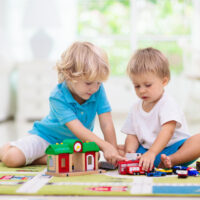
x=89, y=160
x=63, y=162
x=51, y=163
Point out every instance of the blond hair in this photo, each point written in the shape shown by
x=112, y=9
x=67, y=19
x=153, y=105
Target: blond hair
x=83, y=60
x=148, y=60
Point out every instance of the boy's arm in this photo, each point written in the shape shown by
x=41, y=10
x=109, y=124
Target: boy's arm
x=166, y=133
x=131, y=144
x=107, y=127
x=85, y=134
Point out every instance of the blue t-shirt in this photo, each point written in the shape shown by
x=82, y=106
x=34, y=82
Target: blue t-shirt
x=64, y=108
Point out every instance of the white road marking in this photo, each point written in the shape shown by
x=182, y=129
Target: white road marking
x=35, y=184
x=141, y=185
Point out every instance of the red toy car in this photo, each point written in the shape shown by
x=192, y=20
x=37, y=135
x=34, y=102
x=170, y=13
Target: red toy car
x=134, y=170
x=182, y=173
x=130, y=167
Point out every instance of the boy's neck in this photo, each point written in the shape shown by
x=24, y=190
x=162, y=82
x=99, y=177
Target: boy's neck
x=78, y=99
x=147, y=107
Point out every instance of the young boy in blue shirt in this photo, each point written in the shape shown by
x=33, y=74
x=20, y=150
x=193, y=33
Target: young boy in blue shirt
x=74, y=103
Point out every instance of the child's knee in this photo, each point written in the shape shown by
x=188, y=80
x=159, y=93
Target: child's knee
x=40, y=161
x=13, y=157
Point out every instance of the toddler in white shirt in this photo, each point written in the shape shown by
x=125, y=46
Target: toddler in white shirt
x=155, y=126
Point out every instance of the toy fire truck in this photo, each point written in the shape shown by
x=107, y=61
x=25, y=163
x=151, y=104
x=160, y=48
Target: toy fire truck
x=130, y=167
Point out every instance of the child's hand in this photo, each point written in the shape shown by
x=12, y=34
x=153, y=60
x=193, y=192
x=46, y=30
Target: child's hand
x=111, y=154
x=147, y=160
x=121, y=150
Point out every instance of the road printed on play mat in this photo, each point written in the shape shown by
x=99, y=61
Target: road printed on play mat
x=138, y=185
x=35, y=184
x=40, y=180
x=145, y=185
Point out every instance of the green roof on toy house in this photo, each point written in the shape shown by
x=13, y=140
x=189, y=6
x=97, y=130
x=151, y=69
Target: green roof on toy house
x=67, y=146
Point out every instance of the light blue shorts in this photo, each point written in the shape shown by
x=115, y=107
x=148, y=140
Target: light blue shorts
x=168, y=151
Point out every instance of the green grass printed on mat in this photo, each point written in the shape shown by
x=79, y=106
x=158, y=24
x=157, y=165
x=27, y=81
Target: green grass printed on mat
x=91, y=178
x=80, y=190
x=30, y=168
x=84, y=189
x=176, y=180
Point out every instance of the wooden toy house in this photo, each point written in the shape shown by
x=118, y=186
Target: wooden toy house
x=72, y=157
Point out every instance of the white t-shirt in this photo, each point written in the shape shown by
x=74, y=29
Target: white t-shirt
x=147, y=125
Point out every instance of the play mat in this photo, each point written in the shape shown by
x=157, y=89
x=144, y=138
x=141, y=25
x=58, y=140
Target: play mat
x=31, y=180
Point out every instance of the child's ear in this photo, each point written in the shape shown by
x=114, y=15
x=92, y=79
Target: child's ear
x=165, y=80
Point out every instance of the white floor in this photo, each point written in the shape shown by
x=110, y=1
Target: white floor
x=91, y=198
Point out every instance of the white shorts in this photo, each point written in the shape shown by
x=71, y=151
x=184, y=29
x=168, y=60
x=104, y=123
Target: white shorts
x=32, y=146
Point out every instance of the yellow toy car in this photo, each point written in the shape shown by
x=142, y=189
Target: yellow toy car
x=167, y=171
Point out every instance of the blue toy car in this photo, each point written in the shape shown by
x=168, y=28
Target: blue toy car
x=157, y=173
x=175, y=168
x=192, y=171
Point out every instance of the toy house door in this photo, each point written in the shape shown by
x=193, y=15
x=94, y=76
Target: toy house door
x=90, y=162
x=63, y=163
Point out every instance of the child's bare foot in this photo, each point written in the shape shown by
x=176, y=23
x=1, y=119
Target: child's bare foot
x=165, y=162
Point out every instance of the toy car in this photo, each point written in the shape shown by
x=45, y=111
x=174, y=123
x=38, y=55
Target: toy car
x=168, y=171
x=130, y=167
x=106, y=165
x=157, y=174
x=192, y=171
x=182, y=173
x=135, y=170
x=175, y=168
